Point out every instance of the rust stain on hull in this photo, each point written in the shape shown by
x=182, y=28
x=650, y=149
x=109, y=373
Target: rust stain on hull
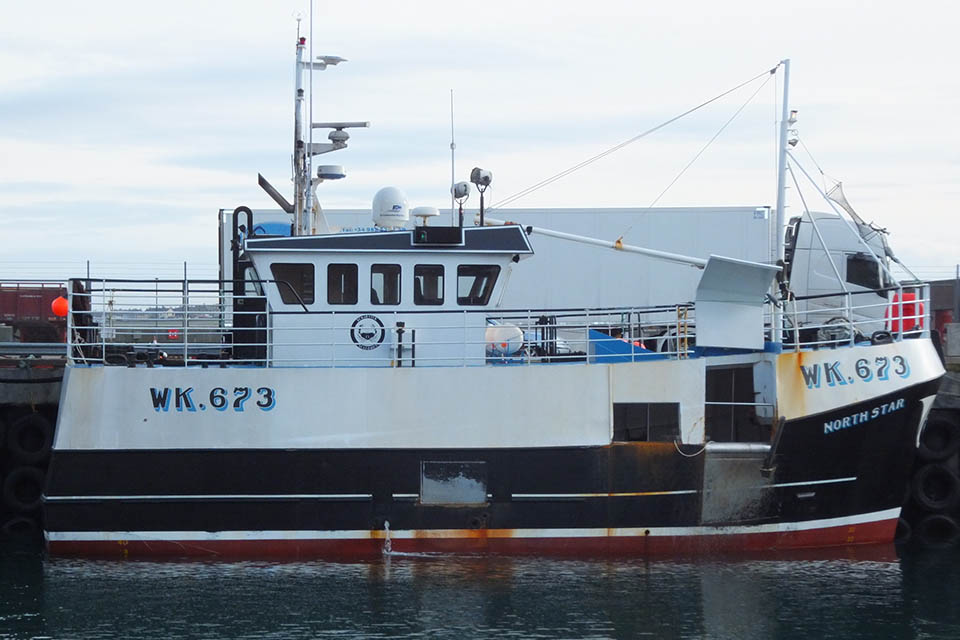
x=507, y=541
x=791, y=388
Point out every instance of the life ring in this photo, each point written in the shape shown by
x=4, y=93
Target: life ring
x=23, y=489
x=938, y=530
x=935, y=487
x=940, y=438
x=29, y=438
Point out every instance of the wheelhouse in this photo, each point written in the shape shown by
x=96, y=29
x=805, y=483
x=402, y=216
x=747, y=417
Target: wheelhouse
x=357, y=292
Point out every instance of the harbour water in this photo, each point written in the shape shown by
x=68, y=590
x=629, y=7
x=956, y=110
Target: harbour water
x=848, y=593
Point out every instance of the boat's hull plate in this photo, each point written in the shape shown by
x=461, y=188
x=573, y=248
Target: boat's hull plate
x=835, y=474
x=854, y=530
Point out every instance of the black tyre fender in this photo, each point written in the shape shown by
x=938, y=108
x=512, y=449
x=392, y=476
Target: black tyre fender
x=30, y=437
x=935, y=487
x=3, y=432
x=20, y=528
x=940, y=438
x=23, y=489
x=904, y=531
x=938, y=530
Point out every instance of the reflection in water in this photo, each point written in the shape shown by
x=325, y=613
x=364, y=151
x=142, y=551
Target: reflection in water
x=417, y=596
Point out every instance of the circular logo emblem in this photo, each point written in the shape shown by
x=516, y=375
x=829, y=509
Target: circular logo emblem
x=367, y=332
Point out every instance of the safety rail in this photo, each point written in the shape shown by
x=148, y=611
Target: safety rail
x=172, y=322
x=193, y=322
x=27, y=314
x=887, y=314
x=114, y=321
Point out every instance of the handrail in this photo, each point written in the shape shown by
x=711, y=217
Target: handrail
x=905, y=285
x=130, y=321
x=294, y=292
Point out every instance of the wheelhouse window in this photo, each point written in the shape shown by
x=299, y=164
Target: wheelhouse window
x=295, y=282
x=385, y=284
x=475, y=283
x=428, y=284
x=341, y=284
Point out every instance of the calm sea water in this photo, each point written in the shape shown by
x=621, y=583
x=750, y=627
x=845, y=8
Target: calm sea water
x=844, y=594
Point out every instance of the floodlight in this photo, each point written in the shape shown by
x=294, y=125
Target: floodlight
x=481, y=177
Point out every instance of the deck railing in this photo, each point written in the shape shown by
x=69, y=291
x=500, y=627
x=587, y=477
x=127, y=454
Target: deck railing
x=831, y=319
x=192, y=322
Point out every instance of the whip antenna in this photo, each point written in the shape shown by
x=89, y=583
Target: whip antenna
x=453, y=172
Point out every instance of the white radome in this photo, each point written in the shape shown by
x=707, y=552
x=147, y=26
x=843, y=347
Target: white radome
x=391, y=209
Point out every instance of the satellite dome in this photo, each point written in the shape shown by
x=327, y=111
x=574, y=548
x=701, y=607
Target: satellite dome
x=424, y=213
x=391, y=208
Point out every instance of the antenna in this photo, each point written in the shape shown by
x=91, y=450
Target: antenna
x=453, y=172
x=305, y=219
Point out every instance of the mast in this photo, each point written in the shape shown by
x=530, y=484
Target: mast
x=304, y=218
x=300, y=179
x=782, y=159
x=781, y=185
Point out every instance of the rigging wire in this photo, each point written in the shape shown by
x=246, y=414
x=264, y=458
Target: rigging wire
x=701, y=152
x=815, y=163
x=816, y=229
x=603, y=154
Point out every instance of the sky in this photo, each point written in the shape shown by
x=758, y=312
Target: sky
x=125, y=127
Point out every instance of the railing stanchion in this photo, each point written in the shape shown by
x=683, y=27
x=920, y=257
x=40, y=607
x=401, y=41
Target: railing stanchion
x=103, y=323
x=899, y=315
x=186, y=307
x=850, y=323
x=69, y=321
x=526, y=355
x=586, y=335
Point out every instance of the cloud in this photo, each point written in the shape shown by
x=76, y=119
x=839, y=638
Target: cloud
x=134, y=112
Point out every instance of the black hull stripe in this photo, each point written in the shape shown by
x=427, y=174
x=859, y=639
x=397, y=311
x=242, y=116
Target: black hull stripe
x=378, y=472
x=809, y=502
x=413, y=496
x=816, y=475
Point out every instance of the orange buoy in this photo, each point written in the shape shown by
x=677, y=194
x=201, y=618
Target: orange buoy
x=60, y=306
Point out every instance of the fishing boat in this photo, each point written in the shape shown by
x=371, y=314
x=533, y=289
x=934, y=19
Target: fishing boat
x=361, y=391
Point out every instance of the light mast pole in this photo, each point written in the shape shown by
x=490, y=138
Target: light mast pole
x=781, y=187
x=301, y=182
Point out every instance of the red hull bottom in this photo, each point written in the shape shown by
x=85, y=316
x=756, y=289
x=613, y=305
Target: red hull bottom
x=260, y=545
